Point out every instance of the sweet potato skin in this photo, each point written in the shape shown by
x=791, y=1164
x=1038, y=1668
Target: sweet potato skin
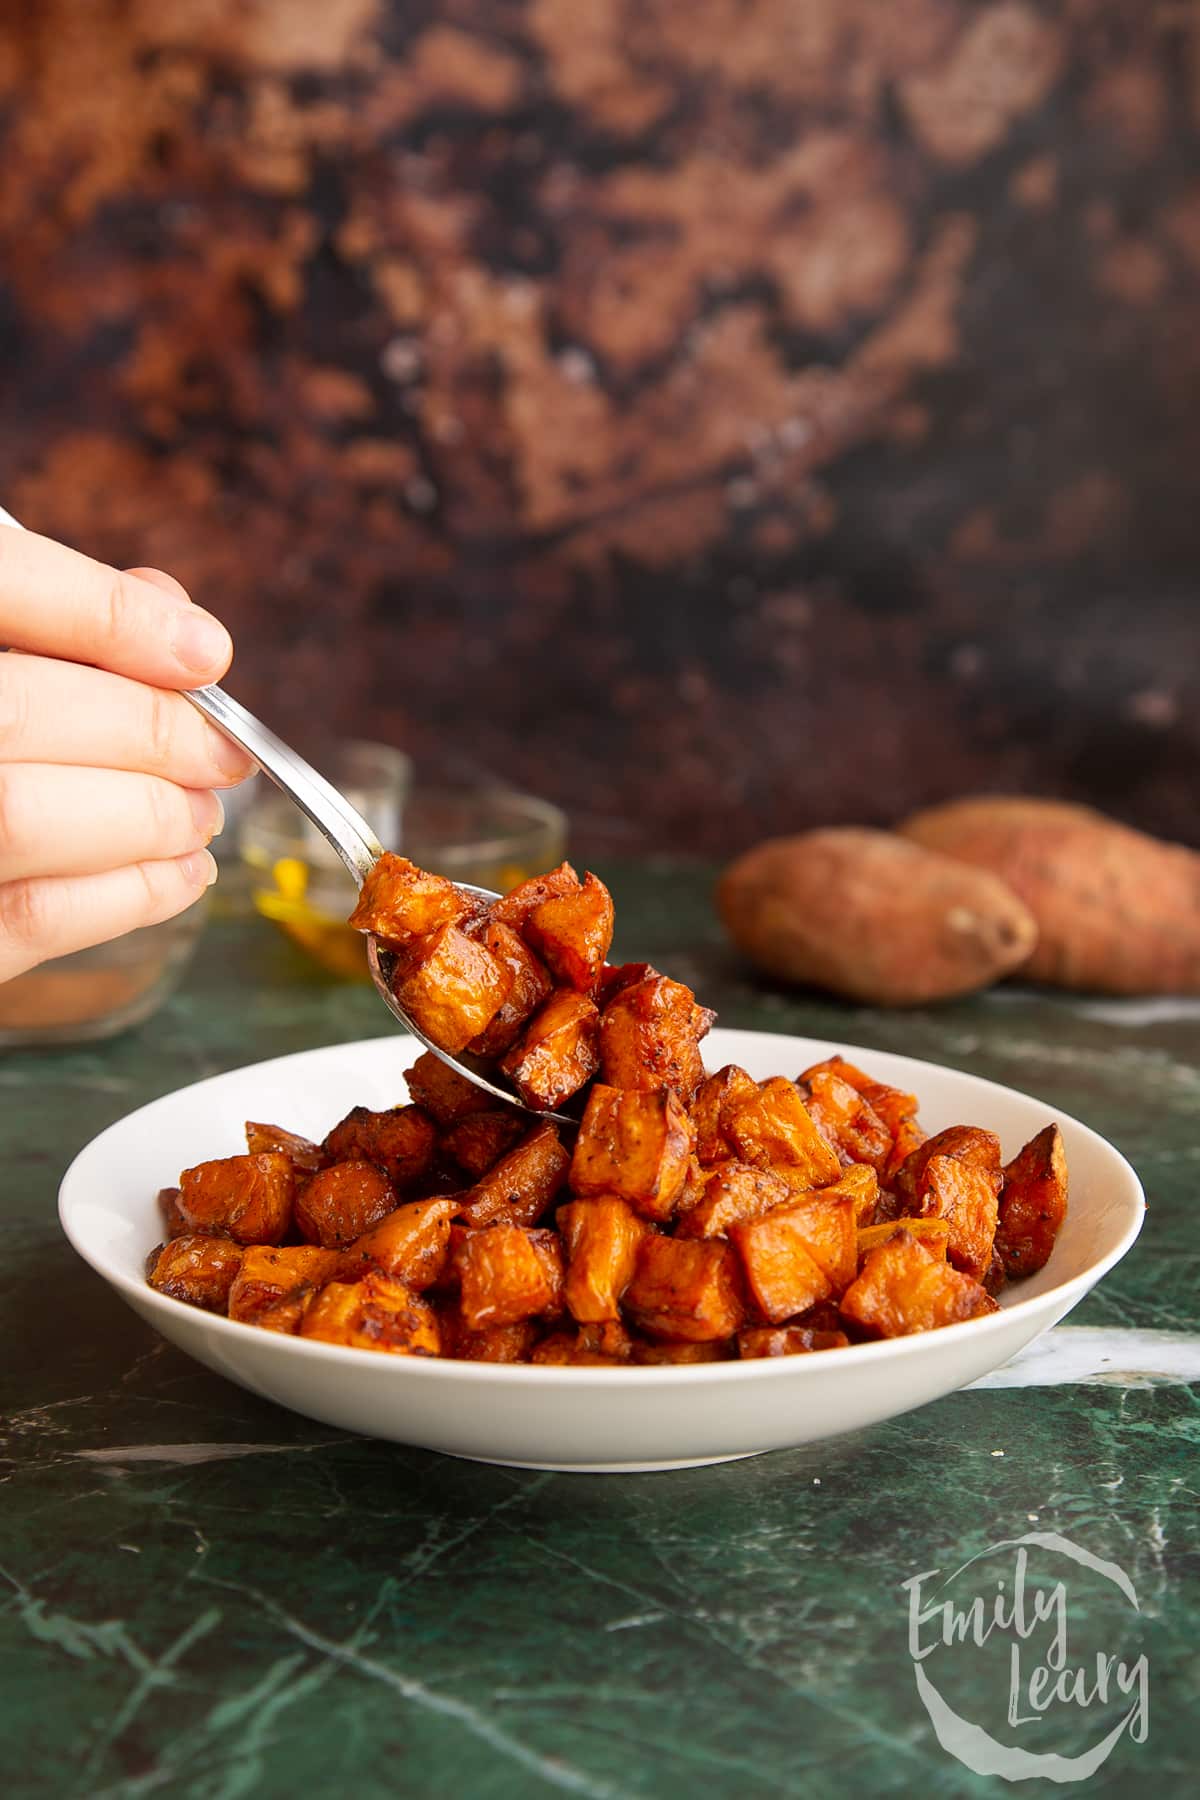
x=873, y=917
x=399, y=1141
x=339, y=1204
x=1033, y=1204
x=1117, y=912
x=522, y=1184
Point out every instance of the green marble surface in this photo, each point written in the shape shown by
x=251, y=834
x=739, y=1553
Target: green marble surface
x=202, y=1595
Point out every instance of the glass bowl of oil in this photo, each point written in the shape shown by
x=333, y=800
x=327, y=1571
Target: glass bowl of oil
x=492, y=837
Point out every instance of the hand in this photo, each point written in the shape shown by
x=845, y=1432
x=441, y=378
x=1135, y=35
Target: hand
x=106, y=774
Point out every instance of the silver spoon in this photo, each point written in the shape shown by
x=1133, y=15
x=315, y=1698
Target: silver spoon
x=350, y=835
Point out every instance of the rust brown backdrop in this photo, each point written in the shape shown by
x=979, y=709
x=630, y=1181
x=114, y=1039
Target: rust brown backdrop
x=722, y=415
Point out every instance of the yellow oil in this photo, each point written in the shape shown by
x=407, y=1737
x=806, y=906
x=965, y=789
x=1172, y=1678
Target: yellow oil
x=290, y=903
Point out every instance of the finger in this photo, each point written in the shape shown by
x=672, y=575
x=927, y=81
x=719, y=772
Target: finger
x=61, y=712
x=57, y=602
x=65, y=821
x=55, y=915
x=160, y=579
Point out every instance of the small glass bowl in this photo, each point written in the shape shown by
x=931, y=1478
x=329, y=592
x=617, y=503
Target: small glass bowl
x=96, y=993
x=490, y=837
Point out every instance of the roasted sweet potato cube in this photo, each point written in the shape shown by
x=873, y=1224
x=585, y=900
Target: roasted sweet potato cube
x=650, y=1037
x=1033, y=1204
x=522, y=1184
x=787, y=1340
x=507, y=1273
x=246, y=1197
x=686, y=1288
x=711, y=1108
x=891, y=1104
x=572, y=933
x=634, y=1145
x=199, y=1270
x=274, y=1285
x=516, y=906
x=400, y=902
x=966, y=1198
x=529, y=987
x=848, y=1122
x=340, y=1203
x=646, y=1351
x=452, y=987
x=772, y=1128
x=781, y=1251
x=862, y=1184
x=910, y=1135
x=412, y=1243
x=481, y=1139
x=732, y=1191
x=601, y=1239
x=967, y=1144
x=167, y=1201
x=903, y=1288
x=306, y=1157
x=557, y=1053
x=615, y=977
x=400, y=1141
x=596, y=1344
x=933, y=1233
x=442, y=1092
x=495, y=1343
x=376, y=1313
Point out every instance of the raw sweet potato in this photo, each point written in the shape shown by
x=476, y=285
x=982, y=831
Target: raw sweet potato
x=873, y=917
x=1117, y=912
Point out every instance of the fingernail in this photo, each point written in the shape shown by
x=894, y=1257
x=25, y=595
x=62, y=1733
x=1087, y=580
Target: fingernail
x=208, y=813
x=200, y=640
x=231, y=762
x=199, y=869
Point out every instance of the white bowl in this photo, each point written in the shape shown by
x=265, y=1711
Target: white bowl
x=530, y=1416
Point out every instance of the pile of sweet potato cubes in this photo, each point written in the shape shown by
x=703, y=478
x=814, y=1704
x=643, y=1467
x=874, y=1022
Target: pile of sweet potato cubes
x=694, y=1217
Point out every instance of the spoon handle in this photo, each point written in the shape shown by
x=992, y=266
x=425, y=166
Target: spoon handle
x=330, y=812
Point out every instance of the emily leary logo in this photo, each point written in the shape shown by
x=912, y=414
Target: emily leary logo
x=997, y=1635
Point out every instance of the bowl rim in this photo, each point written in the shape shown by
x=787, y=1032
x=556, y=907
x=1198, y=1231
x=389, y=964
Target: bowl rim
x=1057, y=1299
